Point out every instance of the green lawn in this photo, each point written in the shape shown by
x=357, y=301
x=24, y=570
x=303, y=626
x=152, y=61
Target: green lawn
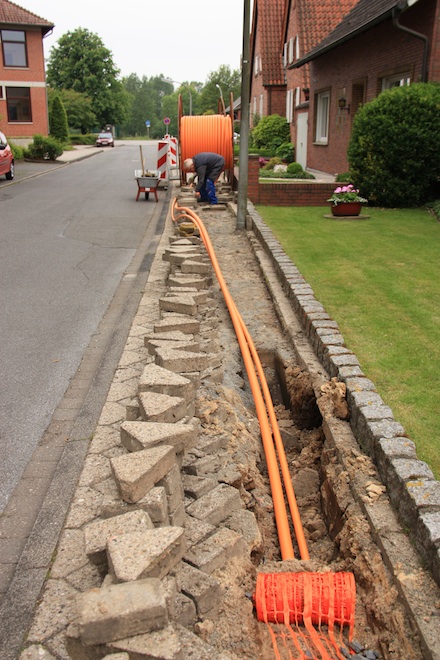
x=380, y=280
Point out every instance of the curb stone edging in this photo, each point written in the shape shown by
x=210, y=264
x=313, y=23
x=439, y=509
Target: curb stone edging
x=412, y=487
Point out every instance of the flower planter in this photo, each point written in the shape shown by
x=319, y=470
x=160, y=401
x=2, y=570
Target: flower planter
x=346, y=209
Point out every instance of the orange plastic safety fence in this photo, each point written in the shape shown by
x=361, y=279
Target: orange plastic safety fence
x=310, y=599
x=207, y=133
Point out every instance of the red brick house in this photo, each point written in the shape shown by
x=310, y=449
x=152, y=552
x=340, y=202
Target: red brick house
x=23, y=99
x=305, y=24
x=268, y=85
x=377, y=45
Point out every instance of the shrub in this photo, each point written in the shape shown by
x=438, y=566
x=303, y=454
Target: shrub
x=78, y=138
x=59, y=128
x=270, y=174
x=343, y=177
x=272, y=162
x=286, y=152
x=46, y=148
x=295, y=168
x=270, y=132
x=393, y=150
x=17, y=151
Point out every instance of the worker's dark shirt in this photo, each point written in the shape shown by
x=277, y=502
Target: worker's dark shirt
x=208, y=166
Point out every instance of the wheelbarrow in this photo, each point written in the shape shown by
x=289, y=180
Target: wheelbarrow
x=147, y=182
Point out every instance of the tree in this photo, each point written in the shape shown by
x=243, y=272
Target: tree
x=393, y=149
x=59, y=128
x=80, y=62
x=228, y=81
x=80, y=116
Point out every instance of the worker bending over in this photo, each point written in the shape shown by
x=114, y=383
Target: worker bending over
x=208, y=167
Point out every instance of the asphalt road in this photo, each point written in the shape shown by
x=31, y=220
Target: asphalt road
x=70, y=239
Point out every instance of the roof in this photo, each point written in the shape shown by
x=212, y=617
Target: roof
x=268, y=18
x=364, y=15
x=319, y=17
x=16, y=15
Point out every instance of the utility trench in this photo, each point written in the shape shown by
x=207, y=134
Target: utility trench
x=336, y=485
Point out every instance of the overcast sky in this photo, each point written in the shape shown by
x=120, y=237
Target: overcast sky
x=184, y=40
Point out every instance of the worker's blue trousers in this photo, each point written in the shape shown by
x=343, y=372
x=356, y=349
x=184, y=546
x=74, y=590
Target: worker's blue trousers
x=207, y=193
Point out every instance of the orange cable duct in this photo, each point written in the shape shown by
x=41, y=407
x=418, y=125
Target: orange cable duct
x=207, y=133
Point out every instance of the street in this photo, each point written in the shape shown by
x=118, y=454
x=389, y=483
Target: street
x=68, y=239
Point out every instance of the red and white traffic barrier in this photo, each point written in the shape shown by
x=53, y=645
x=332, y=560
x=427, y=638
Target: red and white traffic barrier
x=162, y=158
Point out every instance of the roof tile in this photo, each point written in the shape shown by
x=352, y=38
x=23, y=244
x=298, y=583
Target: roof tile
x=16, y=15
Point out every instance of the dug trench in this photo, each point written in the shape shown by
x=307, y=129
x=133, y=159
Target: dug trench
x=335, y=483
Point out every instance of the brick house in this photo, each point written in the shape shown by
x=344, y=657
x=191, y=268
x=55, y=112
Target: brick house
x=283, y=31
x=377, y=45
x=23, y=98
x=305, y=24
x=268, y=85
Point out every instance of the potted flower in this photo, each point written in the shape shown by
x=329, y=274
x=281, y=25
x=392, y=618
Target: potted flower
x=346, y=200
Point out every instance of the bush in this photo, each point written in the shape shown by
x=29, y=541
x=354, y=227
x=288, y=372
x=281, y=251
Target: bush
x=88, y=138
x=344, y=177
x=272, y=162
x=393, y=150
x=17, y=151
x=45, y=148
x=270, y=174
x=286, y=152
x=295, y=168
x=59, y=128
x=271, y=132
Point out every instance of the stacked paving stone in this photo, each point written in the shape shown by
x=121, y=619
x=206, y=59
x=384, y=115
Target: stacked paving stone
x=150, y=522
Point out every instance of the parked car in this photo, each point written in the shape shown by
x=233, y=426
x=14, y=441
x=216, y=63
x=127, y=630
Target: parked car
x=105, y=140
x=6, y=158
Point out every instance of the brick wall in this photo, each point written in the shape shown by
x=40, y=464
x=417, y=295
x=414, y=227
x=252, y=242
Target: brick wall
x=307, y=193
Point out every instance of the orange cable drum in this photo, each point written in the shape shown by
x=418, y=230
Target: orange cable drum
x=206, y=133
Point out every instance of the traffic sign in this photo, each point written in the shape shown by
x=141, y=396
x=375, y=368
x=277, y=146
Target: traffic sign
x=147, y=123
x=167, y=120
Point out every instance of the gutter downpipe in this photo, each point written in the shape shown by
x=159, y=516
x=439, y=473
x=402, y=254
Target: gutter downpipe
x=396, y=13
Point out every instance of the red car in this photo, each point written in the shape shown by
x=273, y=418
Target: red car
x=6, y=158
x=105, y=140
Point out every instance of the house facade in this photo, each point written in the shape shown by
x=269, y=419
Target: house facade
x=282, y=32
x=378, y=45
x=23, y=98
x=268, y=88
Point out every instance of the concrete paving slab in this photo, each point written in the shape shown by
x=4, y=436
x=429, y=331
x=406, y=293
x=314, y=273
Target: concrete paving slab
x=138, y=472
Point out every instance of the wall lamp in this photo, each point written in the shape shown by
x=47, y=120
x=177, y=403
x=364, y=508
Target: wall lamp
x=342, y=103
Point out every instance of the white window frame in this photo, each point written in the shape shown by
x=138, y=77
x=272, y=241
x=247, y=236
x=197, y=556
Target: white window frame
x=289, y=105
x=261, y=104
x=322, y=117
x=255, y=105
x=285, y=55
x=399, y=80
x=291, y=50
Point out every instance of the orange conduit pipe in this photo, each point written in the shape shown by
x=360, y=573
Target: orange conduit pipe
x=309, y=598
x=207, y=133
x=249, y=354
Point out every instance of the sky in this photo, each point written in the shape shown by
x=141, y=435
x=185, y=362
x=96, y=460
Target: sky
x=183, y=40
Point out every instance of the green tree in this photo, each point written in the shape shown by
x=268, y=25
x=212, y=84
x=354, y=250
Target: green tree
x=228, y=81
x=393, y=149
x=82, y=63
x=79, y=111
x=59, y=128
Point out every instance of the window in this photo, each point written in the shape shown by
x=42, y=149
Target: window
x=291, y=52
x=19, y=103
x=14, y=48
x=322, y=111
x=289, y=105
x=399, y=80
x=261, y=104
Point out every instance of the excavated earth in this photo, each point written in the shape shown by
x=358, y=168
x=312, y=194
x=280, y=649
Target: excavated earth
x=324, y=472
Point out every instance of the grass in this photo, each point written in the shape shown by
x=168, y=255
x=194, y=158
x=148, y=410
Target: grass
x=380, y=280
